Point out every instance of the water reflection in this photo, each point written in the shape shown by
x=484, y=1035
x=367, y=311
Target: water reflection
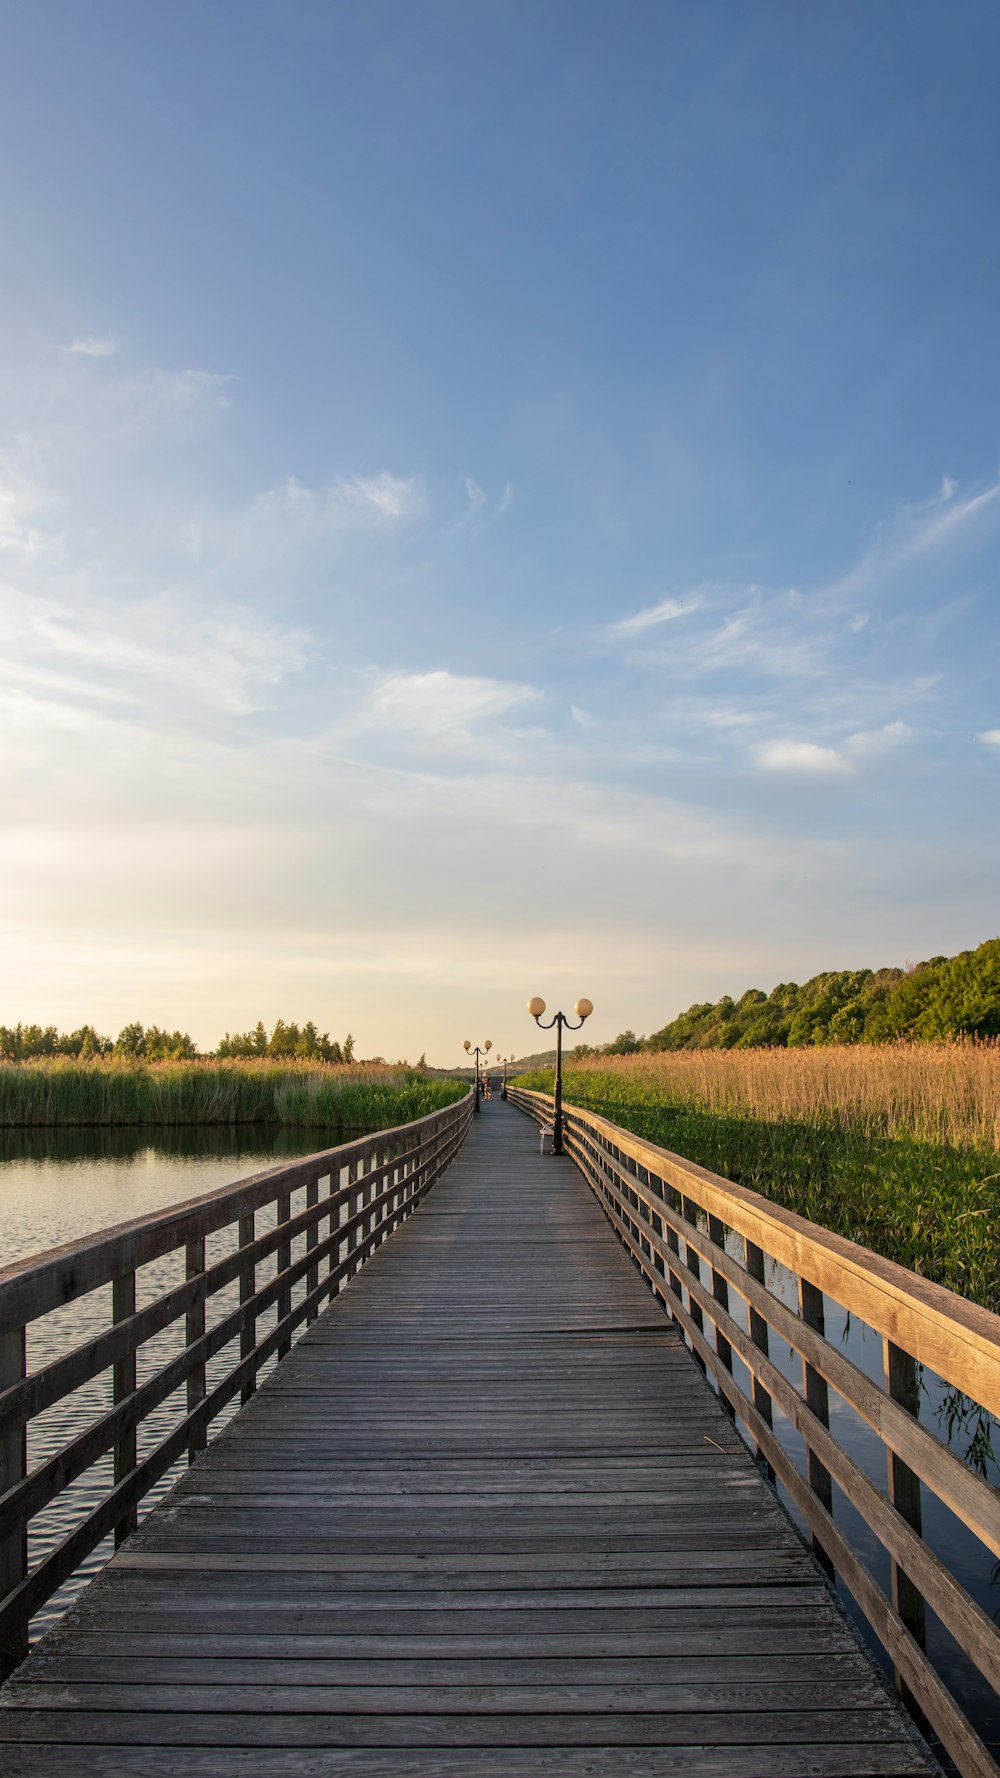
x=60, y=1184
x=228, y=1142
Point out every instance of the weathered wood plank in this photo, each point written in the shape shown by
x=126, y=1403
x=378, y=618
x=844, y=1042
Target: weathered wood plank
x=284, y=1669
x=835, y=1760
x=749, y=1695
x=144, y=1728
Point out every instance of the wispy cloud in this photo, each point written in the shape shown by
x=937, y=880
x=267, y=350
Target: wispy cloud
x=94, y=346
x=825, y=640
x=181, y=392
x=18, y=506
x=991, y=736
x=127, y=396
x=664, y=612
x=372, y=499
x=440, y=705
x=388, y=496
x=770, y=633
x=918, y=531
x=476, y=501
x=164, y=648
x=734, y=627
x=730, y=718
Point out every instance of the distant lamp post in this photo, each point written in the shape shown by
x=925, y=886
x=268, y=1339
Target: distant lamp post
x=503, y=1089
x=583, y=1010
x=474, y=1050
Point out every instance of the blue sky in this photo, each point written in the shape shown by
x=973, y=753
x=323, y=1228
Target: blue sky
x=493, y=500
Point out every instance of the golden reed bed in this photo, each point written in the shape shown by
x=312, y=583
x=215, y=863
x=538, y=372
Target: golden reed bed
x=937, y=1092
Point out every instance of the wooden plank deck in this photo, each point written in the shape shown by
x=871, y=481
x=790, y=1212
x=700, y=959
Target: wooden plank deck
x=486, y=1519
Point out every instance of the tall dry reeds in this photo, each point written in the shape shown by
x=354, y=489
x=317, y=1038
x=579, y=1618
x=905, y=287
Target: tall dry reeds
x=895, y=1146
x=945, y=1093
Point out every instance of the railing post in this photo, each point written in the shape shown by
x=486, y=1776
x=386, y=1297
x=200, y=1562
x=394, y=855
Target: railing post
x=351, y=1206
x=373, y=1227
x=194, y=1328
x=370, y=1190
x=333, y=1222
x=817, y=1397
x=672, y=1198
x=411, y=1174
x=13, y=1469
x=758, y=1334
x=123, y=1383
x=284, y=1260
x=312, y=1240
x=658, y=1226
x=902, y=1380
x=394, y=1180
x=720, y=1291
x=689, y=1211
x=248, y=1287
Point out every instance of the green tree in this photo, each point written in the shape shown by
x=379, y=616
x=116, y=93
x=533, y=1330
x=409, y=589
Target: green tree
x=168, y=1046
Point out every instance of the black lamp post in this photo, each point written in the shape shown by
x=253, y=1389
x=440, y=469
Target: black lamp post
x=583, y=1010
x=503, y=1089
x=474, y=1050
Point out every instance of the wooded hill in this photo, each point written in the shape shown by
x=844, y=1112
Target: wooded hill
x=944, y=997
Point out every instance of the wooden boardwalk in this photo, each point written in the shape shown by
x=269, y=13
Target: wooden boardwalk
x=486, y=1519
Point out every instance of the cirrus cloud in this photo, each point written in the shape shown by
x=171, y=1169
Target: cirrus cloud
x=440, y=704
x=663, y=612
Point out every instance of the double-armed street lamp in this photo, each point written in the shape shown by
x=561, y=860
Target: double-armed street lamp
x=474, y=1050
x=583, y=1010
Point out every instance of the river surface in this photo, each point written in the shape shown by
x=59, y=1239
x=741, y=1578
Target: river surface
x=58, y=1185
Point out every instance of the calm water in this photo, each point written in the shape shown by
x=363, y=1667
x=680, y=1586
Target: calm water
x=58, y=1185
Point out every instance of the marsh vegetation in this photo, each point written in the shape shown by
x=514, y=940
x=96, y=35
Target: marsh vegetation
x=304, y=1095
x=896, y=1146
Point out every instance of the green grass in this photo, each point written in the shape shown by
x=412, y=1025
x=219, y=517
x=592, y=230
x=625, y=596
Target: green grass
x=930, y=1206
x=305, y=1096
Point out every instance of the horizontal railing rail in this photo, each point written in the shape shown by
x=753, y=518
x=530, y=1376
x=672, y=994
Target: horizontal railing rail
x=327, y=1213
x=673, y=1218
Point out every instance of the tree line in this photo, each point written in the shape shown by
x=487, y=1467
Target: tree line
x=148, y=1043
x=945, y=997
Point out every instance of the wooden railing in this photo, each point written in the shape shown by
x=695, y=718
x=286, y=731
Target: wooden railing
x=673, y=1218
x=326, y=1216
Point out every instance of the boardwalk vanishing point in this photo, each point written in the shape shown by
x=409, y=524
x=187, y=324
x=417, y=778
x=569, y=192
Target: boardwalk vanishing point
x=487, y=1518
